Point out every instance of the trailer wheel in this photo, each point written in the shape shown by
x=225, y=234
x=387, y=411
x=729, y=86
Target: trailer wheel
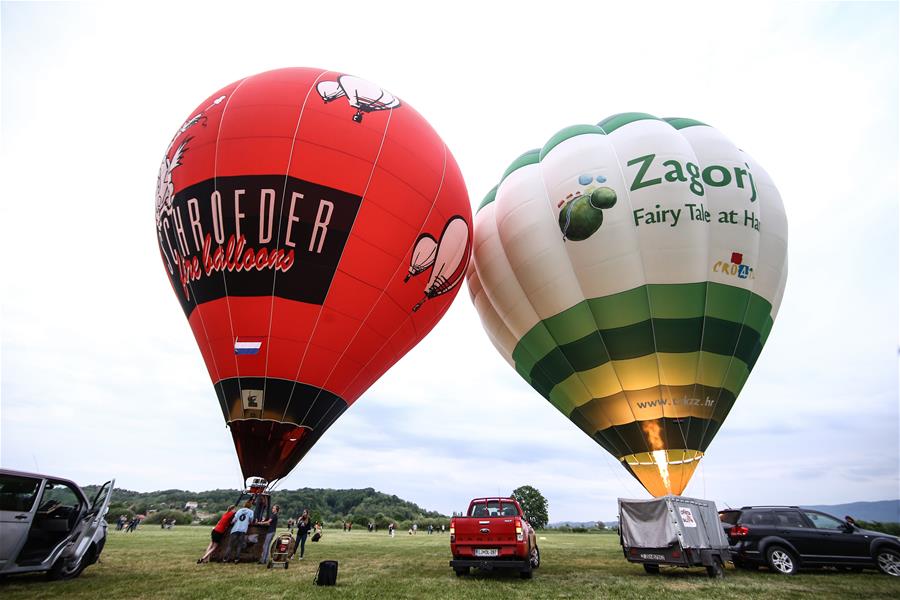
x=715, y=570
x=651, y=569
x=286, y=565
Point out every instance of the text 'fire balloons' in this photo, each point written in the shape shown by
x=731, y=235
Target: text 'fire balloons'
x=631, y=272
x=291, y=210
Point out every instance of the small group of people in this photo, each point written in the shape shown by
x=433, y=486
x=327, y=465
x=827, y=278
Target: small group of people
x=236, y=523
x=127, y=524
x=167, y=523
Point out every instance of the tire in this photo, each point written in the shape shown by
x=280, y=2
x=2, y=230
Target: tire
x=715, y=570
x=460, y=571
x=286, y=566
x=651, y=569
x=269, y=565
x=781, y=560
x=64, y=569
x=888, y=561
x=535, y=557
x=526, y=574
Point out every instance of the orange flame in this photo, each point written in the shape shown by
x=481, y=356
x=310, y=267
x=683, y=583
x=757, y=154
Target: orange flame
x=654, y=438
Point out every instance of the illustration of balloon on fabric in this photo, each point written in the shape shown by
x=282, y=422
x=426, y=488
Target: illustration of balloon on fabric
x=284, y=224
x=631, y=272
x=447, y=258
x=362, y=95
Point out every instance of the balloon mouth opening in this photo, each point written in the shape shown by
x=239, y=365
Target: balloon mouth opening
x=269, y=449
x=663, y=472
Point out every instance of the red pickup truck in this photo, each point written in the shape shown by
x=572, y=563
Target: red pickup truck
x=493, y=535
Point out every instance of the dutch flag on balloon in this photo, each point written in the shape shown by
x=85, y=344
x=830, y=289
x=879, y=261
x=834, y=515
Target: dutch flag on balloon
x=247, y=345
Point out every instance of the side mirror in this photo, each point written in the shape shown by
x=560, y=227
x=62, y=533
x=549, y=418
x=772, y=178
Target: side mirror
x=849, y=527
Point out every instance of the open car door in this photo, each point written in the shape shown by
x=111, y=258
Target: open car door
x=74, y=557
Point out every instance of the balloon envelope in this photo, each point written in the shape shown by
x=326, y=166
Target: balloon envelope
x=287, y=224
x=631, y=272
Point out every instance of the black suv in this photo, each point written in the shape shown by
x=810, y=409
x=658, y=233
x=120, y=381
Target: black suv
x=788, y=537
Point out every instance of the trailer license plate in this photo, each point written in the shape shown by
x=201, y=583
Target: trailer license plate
x=485, y=552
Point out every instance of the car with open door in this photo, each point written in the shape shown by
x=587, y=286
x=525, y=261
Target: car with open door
x=49, y=524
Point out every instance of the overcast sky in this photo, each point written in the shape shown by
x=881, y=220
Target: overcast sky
x=102, y=378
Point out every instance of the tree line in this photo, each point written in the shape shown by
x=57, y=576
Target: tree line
x=328, y=506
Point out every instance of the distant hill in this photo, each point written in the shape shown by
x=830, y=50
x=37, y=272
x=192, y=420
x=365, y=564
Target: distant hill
x=883, y=511
x=585, y=524
x=326, y=505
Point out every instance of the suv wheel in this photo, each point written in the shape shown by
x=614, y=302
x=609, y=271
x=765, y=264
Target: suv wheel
x=888, y=562
x=535, y=557
x=781, y=560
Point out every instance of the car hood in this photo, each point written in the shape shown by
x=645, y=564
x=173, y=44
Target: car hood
x=880, y=534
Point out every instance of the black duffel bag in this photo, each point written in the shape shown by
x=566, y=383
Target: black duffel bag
x=326, y=573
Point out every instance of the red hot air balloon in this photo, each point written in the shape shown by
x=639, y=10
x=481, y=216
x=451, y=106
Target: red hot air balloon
x=287, y=224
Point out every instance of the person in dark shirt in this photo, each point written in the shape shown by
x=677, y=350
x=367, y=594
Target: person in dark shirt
x=303, y=527
x=272, y=522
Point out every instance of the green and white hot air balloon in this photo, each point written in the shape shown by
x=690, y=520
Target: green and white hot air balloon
x=631, y=272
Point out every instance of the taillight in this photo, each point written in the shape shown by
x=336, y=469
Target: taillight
x=738, y=531
x=519, y=535
x=676, y=554
x=452, y=534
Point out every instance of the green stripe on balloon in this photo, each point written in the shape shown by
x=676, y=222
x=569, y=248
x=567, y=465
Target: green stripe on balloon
x=682, y=122
x=610, y=124
x=630, y=438
x=558, y=366
x=666, y=301
x=526, y=158
x=490, y=197
x=568, y=133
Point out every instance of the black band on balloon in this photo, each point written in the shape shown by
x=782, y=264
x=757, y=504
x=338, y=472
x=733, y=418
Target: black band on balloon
x=687, y=433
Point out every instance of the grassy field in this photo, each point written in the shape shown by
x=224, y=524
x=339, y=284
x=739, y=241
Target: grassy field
x=152, y=563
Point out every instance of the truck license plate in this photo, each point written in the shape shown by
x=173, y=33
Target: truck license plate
x=485, y=552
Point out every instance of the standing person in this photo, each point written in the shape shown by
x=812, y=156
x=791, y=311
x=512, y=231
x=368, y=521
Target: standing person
x=303, y=527
x=272, y=522
x=217, y=534
x=415, y=528
x=391, y=528
x=238, y=539
x=291, y=526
